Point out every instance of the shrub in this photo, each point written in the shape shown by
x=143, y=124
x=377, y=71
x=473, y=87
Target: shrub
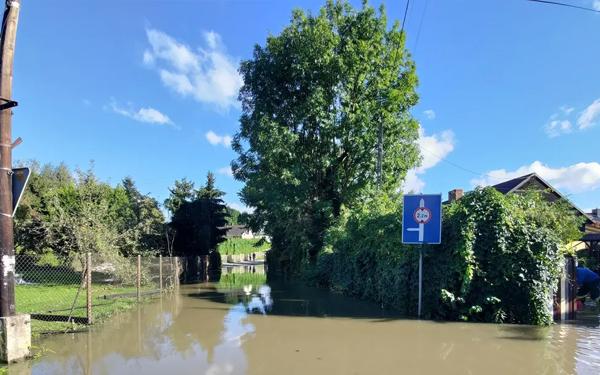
x=234, y=246
x=498, y=262
x=500, y=258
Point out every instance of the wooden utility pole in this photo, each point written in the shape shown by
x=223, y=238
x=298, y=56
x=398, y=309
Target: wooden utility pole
x=7, y=250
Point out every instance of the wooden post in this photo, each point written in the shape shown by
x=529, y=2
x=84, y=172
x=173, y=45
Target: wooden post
x=176, y=270
x=90, y=315
x=7, y=249
x=160, y=280
x=139, y=276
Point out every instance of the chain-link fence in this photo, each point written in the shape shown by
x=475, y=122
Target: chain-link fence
x=61, y=294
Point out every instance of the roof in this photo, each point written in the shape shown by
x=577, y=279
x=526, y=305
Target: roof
x=591, y=237
x=517, y=183
x=236, y=230
x=514, y=184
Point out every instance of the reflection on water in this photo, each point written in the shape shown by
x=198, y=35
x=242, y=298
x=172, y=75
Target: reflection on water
x=254, y=328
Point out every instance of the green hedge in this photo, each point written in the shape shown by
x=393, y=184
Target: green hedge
x=499, y=260
x=234, y=246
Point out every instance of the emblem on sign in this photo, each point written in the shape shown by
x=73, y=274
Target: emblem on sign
x=422, y=215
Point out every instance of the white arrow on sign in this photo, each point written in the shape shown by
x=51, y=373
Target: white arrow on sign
x=422, y=215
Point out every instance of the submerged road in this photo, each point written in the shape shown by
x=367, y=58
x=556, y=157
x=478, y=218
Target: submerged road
x=244, y=326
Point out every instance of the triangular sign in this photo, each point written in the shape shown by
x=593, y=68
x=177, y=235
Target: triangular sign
x=20, y=177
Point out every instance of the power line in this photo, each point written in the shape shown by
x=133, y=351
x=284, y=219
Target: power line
x=405, y=13
x=420, y=26
x=565, y=5
x=456, y=165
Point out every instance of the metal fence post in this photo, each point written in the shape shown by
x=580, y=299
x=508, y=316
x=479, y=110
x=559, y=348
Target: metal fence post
x=139, y=275
x=90, y=316
x=160, y=280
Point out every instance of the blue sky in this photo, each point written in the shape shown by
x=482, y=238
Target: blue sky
x=148, y=89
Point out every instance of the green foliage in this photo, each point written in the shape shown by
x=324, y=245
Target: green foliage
x=141, y=216
x=209, y=191
x=182, y=191
x=199, y=224
x=365, y=256
x=313, y=101
x=234, y=246
x=499, y=260
x=233, y=216
x=48, y=259
x=65, y=215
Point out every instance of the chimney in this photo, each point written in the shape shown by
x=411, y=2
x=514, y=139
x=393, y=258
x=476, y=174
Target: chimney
x=456, y=194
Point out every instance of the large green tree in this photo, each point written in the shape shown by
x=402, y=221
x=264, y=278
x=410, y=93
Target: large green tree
x=199, y=223
x=142, y=217
x=317, y=102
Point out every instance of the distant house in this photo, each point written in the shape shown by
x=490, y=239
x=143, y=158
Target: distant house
x=239, y=231
x=592, y=234
x=595, y=214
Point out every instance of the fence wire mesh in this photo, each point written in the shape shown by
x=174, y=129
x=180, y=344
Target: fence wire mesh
x=55, y=290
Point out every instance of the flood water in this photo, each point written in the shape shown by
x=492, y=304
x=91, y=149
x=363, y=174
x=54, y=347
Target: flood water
x=234, y=327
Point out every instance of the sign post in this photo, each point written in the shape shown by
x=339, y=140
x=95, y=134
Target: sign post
x=421, y=225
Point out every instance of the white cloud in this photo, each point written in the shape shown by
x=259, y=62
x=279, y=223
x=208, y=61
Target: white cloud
x=412, y=183
x=215, y=139
x=589, y=116
x=596, y=5
x=558, y=127
x=564, y=122
x=430, y=114
x=177, y=82
x=576, y=178
x=148, y=115
x=208, y=74
x=566, y=109
x=226, y=171
x=148, y=58
x=212, y=39
x=433, y=149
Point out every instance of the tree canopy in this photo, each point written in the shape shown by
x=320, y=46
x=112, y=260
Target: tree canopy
x=317, y=101
x=199, y=223
x=68, y=214
x=182, y=191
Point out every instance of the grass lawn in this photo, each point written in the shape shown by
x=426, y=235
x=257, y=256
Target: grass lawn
x=58, y=300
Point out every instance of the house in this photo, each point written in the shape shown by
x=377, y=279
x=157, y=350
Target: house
x=591, y=238
x=592, y=233
x=239, y=231
x=595, y=214
x=534, y=182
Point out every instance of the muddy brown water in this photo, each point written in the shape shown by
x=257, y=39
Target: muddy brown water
x=287, y=329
